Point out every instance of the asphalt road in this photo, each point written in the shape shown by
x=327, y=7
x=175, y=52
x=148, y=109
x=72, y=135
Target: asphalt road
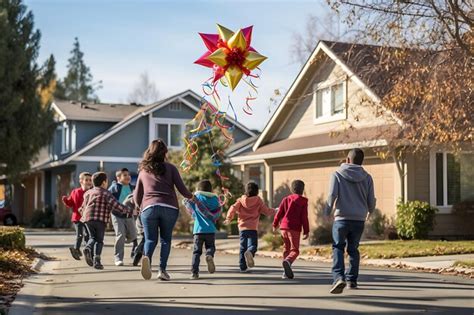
x=66, y=286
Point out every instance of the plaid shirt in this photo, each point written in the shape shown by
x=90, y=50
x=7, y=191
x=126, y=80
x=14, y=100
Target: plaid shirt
x=97, y=205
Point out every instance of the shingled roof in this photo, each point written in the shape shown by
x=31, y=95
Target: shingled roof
x=75, y=110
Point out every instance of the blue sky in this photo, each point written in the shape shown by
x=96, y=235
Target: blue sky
x=121, y=39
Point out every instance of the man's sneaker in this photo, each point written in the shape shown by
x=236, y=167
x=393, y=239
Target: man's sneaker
x=97, y=263
x=88, y=256
x=163, y=275
x=249, y=259
x=146, y=268
x=211, y=267
x=288, y=271
x=352, y=284
x=75, y=253
x=244, y=270
x=195, y=276
x=338, y=287
x=118, y=263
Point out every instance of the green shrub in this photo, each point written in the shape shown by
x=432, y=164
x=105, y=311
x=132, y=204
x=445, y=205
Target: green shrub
x=42, y=218
x=321, y=235
x=12, y=237
x=377, y=222
x=415, y=219
x=274, y=241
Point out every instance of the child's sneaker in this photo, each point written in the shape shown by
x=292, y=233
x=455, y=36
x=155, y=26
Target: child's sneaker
x=249, y=259
x=75, y=253
x=146, y=268
x=211, y=267
x=195, y=276
x=163, y=275
x=244, y=270
x=88, y=256
x=97, y=263
x=288, y=271
x=118, y=263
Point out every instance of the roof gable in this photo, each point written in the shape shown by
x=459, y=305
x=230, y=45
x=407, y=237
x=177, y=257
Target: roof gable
x=75, y=110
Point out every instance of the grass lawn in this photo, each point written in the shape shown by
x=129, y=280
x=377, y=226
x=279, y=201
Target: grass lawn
x=464, y=263
x=400, y=249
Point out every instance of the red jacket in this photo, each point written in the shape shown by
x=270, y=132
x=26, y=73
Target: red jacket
x=293, y=214
x=74, y=201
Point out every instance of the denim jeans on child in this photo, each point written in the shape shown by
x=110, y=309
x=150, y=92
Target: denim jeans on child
x=159, y=220
x=351, y=231
x=96, y=237
x=248, y=241
x=81, y=233
x=209, y=241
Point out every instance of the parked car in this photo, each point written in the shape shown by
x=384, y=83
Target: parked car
x=7, y=217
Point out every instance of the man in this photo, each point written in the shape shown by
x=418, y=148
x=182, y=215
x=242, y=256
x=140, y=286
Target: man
x=352, y=190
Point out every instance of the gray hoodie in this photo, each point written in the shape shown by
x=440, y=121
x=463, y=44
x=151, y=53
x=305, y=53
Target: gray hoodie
x=352, y=189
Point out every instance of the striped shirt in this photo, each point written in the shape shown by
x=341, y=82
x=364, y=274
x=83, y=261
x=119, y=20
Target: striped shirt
x=98, y=203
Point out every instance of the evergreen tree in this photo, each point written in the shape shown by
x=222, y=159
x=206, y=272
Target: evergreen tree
x=25, y=125
x=77, y=85
x=48, y=81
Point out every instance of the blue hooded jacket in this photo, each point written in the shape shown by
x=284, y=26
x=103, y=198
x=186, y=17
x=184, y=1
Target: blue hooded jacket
x=205, y=211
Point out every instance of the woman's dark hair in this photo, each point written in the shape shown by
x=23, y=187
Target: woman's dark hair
x=251, y=189
x=205, y=185
x=154, y=158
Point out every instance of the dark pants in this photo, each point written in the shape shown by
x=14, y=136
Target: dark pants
x=209, y=241
x=351, y=231
x=81, y=233
x=159, y=220
x=248, y=241
x=96, y=237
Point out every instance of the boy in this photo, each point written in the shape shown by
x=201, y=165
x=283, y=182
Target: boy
x=95, y=210
x=124, y=226
x=352, y=190
x=74, y=201
x=138, y=252
x=292, y=215
x=205, y=211
x=249, y=207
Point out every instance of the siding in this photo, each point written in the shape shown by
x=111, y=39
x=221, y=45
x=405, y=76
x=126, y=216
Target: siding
x=184, y=113
x=87, y=130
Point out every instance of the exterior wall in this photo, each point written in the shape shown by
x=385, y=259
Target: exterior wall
x=108, y=167
x=87, y=130
x=418, y=177
x=359, y=113
x=184, y=113
x=128, y=142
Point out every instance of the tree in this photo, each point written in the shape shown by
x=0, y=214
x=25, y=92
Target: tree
x=77, y=85
x=144, y=92
x=25, y=125
x=48, y=81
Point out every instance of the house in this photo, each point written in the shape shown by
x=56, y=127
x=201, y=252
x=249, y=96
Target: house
x=107, y=137
x=330, y=108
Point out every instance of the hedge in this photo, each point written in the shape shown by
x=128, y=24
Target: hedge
x=12, y=237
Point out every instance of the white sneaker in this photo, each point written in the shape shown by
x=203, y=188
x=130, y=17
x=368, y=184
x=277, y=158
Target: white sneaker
x=284, y=276
x=146, y=268
x=118, y=263
x=249, y=259
x=163, y=275
x=211, y=267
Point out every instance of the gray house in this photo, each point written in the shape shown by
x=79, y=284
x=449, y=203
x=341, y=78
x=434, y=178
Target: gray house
x=107, y=137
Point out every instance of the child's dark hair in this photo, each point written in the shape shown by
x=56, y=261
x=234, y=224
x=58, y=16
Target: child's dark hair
x=98, y=178
x=119, y=172
x=251, y=189
x=204, y=185
x=297, y=187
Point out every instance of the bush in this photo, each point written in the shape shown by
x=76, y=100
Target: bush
x=274, y=241
x=12, y=238
x=42, y=218
x=321, y=235
x=415, y=219
x=377, y=222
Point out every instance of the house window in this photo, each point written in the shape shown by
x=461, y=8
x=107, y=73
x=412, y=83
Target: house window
x=175, y=107
x=329, y=102
x=171, y=133
x=65, y=138
x=256, y=174
x=453, y=178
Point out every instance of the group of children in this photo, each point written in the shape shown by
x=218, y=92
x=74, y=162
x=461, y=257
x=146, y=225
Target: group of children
x=94, y=206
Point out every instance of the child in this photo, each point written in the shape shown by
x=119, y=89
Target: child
x=95, y=210
x=137, y=252
x=205, y=210
x=124, y=226
x=74, y=201
x=249, y=207
x=292, y=215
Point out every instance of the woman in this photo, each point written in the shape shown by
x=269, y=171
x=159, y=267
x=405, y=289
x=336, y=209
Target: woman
x=155, y=195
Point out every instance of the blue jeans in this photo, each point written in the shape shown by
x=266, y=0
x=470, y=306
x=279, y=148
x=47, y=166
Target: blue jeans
x=209, y=241
x=159, y=220
x=248, y=242
x=351, y=231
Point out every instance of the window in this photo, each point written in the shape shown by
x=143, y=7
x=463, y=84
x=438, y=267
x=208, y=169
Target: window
x=65, y=137
x=170, y=130
x=329, y=102
x=256, y=174
x=453, y=178
x=175, y=107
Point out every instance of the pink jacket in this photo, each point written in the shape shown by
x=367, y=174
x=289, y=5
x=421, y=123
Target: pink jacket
x=249, y=210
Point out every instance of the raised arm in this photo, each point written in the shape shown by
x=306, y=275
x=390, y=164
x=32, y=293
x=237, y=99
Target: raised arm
x=67, y=200
x=233, y=210
x=178, y=182
x=333, y=194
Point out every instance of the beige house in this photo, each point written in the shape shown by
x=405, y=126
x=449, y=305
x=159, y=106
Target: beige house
x=332, y=107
